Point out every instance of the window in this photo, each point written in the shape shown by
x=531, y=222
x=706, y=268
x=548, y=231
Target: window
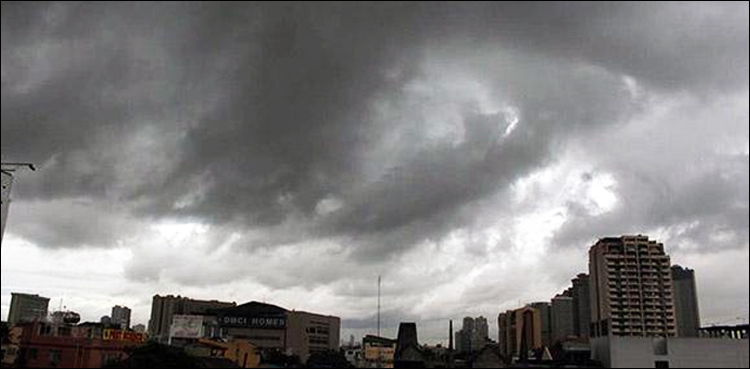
x=661, y=364
x=54, y=357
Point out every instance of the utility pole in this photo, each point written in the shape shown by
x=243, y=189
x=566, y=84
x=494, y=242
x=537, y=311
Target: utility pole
x=7, y=170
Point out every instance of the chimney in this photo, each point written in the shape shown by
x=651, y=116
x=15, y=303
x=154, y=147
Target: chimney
x=450, y=336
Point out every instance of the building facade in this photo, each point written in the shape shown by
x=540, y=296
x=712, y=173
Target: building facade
x=562, y=318
x=120, y=316
x=519, y=330
x=481, y=333
x=87, y=345
x=631, y=288
x=545, y=315
x=272, y=327
x=378, y=352
x=27, y=308
x=163, y=309
x=473, y=334
x=464, y=337
x=670, y=352
x=685, y=302
x=581, y=294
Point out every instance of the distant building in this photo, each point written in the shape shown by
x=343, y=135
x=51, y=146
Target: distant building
x=140, y=328
x=481, y=333
x=520, y=330
x=546, y=321
x=378, y=351
x=27, y=308
x=354, y=355
x=408, y=352
x=488, y=357
x=562, y=318
x=163, y=309
x=87, y=345
x=238, y=351
x=121, y=316
x=631, y=288
x=670, y=352
x=581, y=294
x=465, y=336
x=473, y=334
x=685, y=302
x=272, y=327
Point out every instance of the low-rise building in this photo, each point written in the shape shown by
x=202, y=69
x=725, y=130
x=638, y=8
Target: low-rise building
x=378, y=351
x=89, y=345
x=660, y=352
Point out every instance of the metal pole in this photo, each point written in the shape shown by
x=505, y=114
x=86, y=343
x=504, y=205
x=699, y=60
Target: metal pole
x=378, y=306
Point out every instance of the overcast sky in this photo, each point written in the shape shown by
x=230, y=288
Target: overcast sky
x=290, y=153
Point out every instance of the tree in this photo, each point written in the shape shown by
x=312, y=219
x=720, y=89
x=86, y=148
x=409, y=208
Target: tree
x=5, y=332
x=278, y=358
x=328, y=359
x=155, y=355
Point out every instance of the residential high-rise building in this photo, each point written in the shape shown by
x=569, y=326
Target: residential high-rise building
x=480, y=334
x=121, y=316
x=519, y=331
x=27, y=308
x=545, y=320
x=685, y=302
x=562, y=318
x=465, y=335
x=473, y=334
x=631, y=288
x=163, y=308
x=581, y=294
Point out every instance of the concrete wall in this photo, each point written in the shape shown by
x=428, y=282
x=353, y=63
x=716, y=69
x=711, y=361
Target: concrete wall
x=638, y=352
x=708, y=353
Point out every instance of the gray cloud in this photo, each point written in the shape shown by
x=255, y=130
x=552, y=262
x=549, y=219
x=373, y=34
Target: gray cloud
x=366, y=131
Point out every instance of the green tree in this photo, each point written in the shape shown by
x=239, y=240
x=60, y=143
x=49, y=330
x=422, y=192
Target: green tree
x=328, y=359
x=155, y=355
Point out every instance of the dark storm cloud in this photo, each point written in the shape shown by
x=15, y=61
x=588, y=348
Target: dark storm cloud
x=265, y=110
x=72, y=223
x=709, y=211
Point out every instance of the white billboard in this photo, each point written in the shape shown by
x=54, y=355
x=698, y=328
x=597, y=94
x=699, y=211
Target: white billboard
x=187, y=326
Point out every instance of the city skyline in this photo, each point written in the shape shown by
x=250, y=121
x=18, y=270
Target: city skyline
x=291, y=153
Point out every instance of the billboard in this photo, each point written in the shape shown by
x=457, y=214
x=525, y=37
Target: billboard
x=187, y=326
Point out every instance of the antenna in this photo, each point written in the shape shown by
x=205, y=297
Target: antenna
x=378, y=306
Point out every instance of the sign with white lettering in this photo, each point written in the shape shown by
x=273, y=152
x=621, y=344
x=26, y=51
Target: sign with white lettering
x=261, y=322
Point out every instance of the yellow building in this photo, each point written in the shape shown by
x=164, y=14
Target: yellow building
x=243, y=352
x=378, y=351
x=519, y=329
x=240, y=351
